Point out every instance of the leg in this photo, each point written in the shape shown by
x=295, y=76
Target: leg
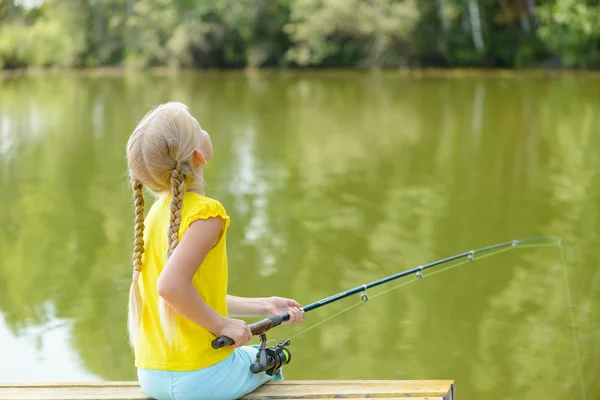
x=230, y=379
x=156, y=384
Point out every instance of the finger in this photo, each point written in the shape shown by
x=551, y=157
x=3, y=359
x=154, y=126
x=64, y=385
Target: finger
x=297, y=315
x=300, y=316
x=293, y=315
x=290, y=320
x=294, y=303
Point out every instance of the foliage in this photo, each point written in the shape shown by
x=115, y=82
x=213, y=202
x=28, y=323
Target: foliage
x=352, y=31
x=54, y=38
x=572, y=29
x=298, y=33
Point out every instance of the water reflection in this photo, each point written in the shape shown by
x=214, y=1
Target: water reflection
x=331, y=180
x=40, y=353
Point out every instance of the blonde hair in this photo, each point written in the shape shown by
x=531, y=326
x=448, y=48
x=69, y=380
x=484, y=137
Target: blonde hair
x=159, y=156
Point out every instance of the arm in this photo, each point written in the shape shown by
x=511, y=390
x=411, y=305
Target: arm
x=176, y=288
x=267, y=307
x=246, y=306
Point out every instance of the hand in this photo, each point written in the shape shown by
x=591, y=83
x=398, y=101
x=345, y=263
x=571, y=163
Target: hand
x=237, y=330
x=279, y=305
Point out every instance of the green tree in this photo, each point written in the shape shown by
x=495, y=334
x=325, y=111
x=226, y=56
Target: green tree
x=54, y=34
x=207, y=34
x=342, y=32
x=571, y=28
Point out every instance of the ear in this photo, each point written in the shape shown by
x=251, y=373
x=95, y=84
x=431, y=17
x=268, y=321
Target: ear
x=198, y=157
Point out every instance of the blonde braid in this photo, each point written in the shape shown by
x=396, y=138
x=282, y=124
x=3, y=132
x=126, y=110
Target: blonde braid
x=178, y=190
x=167, y=316
x=138, y=243
x=134, y=314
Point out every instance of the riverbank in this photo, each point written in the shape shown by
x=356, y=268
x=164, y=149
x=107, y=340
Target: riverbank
x=413, y=72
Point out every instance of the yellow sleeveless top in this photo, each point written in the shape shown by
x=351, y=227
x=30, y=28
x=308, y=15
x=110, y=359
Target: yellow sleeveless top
x=192, y=346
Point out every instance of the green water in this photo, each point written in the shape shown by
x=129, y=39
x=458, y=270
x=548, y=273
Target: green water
x=332, y=180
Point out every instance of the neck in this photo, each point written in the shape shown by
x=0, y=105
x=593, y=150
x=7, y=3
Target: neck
x=197, y=187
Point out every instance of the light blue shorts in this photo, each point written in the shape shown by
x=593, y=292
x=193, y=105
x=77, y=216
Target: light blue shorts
x=229, y=379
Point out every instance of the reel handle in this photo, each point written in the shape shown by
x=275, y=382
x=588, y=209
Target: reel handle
x=256, y=328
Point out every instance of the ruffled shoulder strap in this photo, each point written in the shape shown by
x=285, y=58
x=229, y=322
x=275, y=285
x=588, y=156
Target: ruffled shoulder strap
x=197, y=207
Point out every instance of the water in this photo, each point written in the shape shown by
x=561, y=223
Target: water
x=332, y=179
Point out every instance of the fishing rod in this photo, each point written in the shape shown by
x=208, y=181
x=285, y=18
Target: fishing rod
x=271, y=359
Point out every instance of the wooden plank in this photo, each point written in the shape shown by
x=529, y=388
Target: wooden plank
x=316, y=390
x=353, y=382
x=352, y=389
x=73, y=393
x=70, y=384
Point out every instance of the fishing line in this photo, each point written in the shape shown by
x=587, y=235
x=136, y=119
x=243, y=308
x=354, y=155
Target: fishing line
x=473, y=258
x=575, y=342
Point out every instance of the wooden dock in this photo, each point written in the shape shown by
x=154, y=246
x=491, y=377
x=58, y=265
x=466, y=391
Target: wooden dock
x=390, y=389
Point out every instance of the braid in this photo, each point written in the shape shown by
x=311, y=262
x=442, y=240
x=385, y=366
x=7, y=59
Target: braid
x=167, y=316
x=138, y=243
x=178, y=190
x=134, y=315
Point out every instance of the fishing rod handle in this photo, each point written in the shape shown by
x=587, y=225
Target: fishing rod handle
x=256, y=328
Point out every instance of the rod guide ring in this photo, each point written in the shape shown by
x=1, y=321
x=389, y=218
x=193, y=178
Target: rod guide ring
x=420, y=272
x=363, y=295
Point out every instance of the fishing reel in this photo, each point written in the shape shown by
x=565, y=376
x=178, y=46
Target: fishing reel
x=271, y=359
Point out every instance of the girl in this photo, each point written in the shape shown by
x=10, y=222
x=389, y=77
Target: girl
x=178, y=301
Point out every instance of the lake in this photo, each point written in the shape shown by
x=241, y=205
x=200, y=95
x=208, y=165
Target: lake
x=332, y=179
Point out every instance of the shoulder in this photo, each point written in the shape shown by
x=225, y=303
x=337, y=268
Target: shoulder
x=196, y=207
